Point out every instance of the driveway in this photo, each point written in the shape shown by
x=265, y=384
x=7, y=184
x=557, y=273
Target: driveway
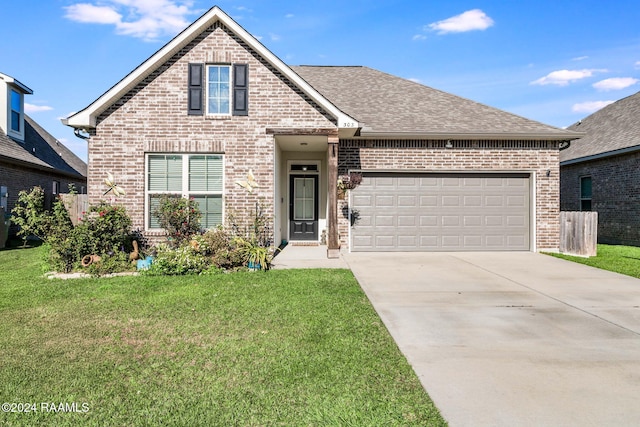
x=512, y=339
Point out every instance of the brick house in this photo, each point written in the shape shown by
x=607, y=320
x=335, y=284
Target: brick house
x=438, y=172
x=29, y=155
x=600, y=172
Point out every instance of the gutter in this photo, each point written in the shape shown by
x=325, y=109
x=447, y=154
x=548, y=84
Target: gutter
x=601, y=155
x=568, y=136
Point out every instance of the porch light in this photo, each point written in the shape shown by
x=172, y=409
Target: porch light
x=449, y=144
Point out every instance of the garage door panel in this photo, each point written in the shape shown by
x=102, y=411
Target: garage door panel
x=431, y=212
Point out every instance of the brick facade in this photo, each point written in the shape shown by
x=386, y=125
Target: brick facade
x=465, y=156
x=152, y=118
x=615, y=195
x=17, y=178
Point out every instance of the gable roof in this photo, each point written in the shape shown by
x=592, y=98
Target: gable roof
x=40, y=150
x=386, y=105
x=612, y=130
x=86, y=118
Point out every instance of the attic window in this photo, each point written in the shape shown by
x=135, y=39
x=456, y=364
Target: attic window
x=16, y=112
x=218, y=89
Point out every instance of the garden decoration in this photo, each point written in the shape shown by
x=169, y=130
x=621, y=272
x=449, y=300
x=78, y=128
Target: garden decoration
x=250, y=183
x=87, y=260
x=133, y=256
x=111, y=183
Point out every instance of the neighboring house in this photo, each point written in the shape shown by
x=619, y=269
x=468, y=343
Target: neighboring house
x=601, y=172
x=439, y=172
x=29, y=155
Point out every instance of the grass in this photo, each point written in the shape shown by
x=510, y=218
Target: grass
x=282, y=348
x=620, y=259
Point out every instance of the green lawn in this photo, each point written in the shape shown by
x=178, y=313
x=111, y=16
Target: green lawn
x=621, y=259
x=281, y=348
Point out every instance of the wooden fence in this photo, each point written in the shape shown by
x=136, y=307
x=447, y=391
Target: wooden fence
x=579, y=233
x=76, y=204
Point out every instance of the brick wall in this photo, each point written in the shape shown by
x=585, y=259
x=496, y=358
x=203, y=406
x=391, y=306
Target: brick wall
x=615, y=196
x=153, y=118
x=478, y=156
x=17, y=178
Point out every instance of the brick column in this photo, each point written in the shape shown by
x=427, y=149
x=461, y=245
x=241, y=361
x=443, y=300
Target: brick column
x=333, y=242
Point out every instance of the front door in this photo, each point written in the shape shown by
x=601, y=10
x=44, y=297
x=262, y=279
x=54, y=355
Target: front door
x=303, y=207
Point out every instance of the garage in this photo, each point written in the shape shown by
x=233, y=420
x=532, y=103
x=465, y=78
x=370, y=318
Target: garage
x=441, y=212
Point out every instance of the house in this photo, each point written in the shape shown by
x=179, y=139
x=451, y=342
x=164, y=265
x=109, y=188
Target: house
x=601, y=171
x=29, y=155
x=439, y=172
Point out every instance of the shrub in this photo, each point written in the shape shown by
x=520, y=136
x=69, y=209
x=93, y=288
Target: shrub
x=29, y=213
x=219, y=245
x=178, y=261
x=180, y=217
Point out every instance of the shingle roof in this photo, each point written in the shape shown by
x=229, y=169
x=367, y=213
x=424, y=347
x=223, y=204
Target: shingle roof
x=614, y=127
x=384, y=103
x=41, y=150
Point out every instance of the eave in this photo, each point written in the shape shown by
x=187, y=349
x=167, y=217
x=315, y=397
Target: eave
x=485, y=136
x=598, y=156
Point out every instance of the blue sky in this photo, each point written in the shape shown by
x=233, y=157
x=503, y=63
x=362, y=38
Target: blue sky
x=555, y=61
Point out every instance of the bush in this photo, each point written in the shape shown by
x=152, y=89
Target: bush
x=29, y=213
x=221, y=248
x=178, y=261
x=179, y=217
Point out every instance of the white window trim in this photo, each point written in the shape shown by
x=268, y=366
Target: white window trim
x=206, y=91
x=185, y=184
x=16, y=134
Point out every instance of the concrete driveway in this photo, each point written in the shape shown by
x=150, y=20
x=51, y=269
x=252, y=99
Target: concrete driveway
x=512, y=339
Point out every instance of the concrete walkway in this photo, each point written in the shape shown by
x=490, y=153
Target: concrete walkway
x=512, y=339
x=306, y=257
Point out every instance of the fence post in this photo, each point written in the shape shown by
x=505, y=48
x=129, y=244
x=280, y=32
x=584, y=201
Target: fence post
x=579, y=233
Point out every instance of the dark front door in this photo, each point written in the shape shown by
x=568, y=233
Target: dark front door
x=303, y=207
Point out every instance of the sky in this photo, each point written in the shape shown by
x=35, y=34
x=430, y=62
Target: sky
x=554, y=61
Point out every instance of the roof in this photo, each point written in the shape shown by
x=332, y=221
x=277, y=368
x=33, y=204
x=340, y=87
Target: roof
x=15, y=83
x=87, y=118
x=612, y=130
x=386, y=105
x=41, y=151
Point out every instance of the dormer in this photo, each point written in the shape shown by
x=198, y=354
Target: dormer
x=12, y=94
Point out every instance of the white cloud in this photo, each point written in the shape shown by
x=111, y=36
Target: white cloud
x=31, y=108
x=615, y=83
x=637, y=64
x=274, y=37
x=590, y=106
x=564, y=77
x=470, y=20
x=579, y=58
x=419, y=37
x=145, y=19
x=289, y=15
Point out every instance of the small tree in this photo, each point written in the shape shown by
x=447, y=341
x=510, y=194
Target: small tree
x=180, y=217
x=29, y=213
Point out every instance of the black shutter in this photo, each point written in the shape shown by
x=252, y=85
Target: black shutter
x=241, y=90
x=196, y=90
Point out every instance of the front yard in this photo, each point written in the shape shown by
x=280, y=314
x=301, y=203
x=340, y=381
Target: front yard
x=285, y=347
x=620, y=259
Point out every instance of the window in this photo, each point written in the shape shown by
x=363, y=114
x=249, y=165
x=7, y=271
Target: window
x=198, y=176
x=218, y=89
x=55, y=188
x=585, y=193
x=16, y=112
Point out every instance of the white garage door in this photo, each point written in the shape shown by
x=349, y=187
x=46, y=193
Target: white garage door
x=441, y=212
